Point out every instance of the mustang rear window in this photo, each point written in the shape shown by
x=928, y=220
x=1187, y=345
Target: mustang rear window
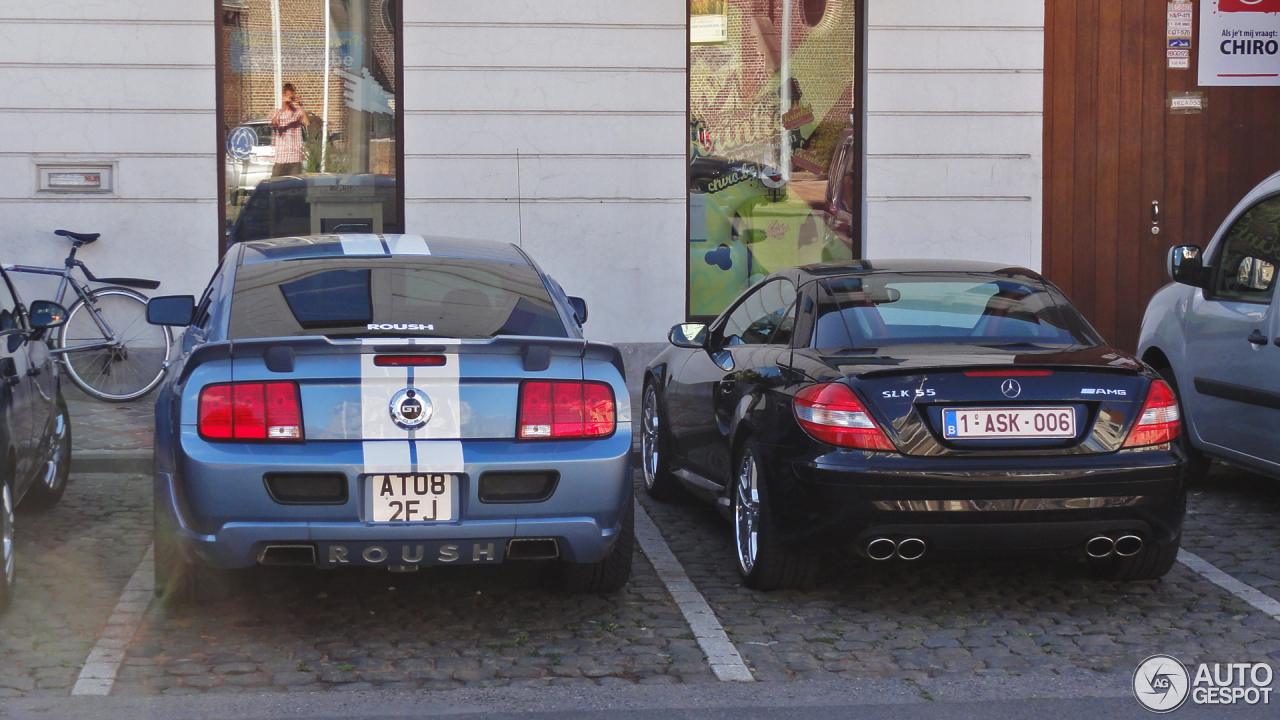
x=395, y=297
x=977, y=308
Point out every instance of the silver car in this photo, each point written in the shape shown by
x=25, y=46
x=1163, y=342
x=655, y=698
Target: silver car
x=1215, y=335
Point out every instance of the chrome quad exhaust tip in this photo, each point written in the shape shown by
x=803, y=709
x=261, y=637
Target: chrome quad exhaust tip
x=910, y=549
x=1100, y=547
x=1128, y=545
x=881, y=548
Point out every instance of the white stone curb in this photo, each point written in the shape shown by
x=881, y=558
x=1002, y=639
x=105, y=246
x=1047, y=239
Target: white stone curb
x=723, y=657
x=99, y=673
x=1247, y=593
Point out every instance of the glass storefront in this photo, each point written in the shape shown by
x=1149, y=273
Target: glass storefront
x=774, y=149
x=309, y=117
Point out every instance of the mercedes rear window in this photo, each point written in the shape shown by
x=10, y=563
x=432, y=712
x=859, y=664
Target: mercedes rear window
x=978, y=308
x=392, y=297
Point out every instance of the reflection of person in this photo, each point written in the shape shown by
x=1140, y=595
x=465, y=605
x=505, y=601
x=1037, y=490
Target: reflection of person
x=288, y=121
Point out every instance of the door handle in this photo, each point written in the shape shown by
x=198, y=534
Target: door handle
x=9, y=372
x=34, y=371
x=1257, y=338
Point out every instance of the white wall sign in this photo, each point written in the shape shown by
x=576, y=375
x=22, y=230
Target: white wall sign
x=1239, y=42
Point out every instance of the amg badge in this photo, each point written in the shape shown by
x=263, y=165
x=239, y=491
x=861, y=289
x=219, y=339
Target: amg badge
x=410, y=409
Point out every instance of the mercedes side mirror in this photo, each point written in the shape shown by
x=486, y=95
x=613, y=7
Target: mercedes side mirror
x=1186, y=266
x=175, y=310
x=688, y=335
x=579, y=309
x=45, y=314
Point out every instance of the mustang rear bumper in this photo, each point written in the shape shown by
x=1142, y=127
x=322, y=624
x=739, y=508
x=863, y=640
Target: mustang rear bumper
x=847, y=499
x=224, y=516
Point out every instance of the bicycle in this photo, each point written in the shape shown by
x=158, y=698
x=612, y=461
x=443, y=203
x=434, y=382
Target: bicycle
x=107, y=346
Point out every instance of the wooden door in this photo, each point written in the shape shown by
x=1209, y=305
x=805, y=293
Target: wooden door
x=1111, y=149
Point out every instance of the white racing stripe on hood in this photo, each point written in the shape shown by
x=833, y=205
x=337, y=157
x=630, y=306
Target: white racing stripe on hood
x=408, y=245
x=361, y=245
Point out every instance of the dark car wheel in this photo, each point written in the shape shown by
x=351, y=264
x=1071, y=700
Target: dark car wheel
x=1151, y=563
x=47, y=490
x=8, y=565
x=1197, y=462
x=765, y=564
x=659, y=483
x=611, y=573
x=178, y=581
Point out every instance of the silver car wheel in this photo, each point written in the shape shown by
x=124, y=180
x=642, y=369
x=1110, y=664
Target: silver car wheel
x=746, y=515
x=649, y=429
x=6, y=534
x=52, y=474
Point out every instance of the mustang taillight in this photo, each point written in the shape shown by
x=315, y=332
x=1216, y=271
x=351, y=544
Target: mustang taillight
x=563, y=410
x=1160, y=421
x=833, y=414
x=250, y=411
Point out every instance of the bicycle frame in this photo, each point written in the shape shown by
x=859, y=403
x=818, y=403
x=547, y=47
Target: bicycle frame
x=82, y=291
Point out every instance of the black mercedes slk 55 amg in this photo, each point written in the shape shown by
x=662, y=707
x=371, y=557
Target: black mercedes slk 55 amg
x=901, y=408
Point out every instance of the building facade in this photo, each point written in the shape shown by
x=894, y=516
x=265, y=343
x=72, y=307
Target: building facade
x=572, y=127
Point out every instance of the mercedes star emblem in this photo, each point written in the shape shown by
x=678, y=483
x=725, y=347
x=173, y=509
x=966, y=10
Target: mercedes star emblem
x=1011, y=388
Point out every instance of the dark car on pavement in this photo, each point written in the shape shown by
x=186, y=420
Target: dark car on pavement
x=35, y=428
x=901, y=408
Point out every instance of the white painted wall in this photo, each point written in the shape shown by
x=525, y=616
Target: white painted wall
x=592, y=95
x=590, y=92
x=954, y=126
x=103, y=81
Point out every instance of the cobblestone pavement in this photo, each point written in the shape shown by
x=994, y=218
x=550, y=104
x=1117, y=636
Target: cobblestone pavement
x=1234, y=523
x=73, y=562
x=442, y=628
x=291, y=630
x=119, y=427
x=966, y=616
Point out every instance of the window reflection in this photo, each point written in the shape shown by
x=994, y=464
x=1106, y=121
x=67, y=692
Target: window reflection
x=772, y=147
x=309, y=103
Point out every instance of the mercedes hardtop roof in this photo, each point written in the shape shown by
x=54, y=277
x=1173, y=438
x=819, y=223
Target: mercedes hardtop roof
x=925, y=265
x=379, y=245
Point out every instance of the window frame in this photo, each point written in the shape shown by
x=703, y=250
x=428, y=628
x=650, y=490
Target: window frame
x=221, y=15
x=1219, y=255
x=857, y=178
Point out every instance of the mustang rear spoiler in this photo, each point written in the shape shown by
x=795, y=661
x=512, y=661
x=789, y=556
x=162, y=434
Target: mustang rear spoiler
x=535, y=350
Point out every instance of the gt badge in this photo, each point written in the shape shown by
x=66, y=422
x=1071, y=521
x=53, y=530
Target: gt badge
x=410, y=409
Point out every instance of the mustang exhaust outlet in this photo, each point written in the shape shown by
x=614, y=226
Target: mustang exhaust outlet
x=911, y=549
x=881, y=549
x=1128, y=545
x=1100, y=546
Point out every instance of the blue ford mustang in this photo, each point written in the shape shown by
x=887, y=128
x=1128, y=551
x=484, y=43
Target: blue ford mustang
x=392, y=401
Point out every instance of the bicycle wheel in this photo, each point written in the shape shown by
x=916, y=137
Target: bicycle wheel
x=134, y=365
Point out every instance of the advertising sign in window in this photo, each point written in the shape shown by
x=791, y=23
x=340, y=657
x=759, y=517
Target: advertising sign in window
x=1239, y=42
x=309, y=117
x=772, y=143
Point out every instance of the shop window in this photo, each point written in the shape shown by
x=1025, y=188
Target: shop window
x=774, y=142
x=310, y=117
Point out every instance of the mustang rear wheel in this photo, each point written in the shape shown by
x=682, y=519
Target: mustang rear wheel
x=611, y=573
x=764, y=563
x=8, y=565
x=179, y=581
x=659, y=483
x=52, y=483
